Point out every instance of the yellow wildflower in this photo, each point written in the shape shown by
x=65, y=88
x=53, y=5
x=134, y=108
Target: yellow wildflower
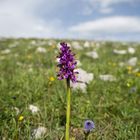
x=129, y=68
x=51, y=78
x=20, y=118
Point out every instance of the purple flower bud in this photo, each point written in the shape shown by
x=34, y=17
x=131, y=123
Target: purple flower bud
x=88, y=126
x=66, y=64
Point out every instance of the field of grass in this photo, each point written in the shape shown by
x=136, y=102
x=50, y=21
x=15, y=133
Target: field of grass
x=28, y=77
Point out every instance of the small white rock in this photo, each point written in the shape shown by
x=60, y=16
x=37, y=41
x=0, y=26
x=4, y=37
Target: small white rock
x=39, y=132
x=131, y=50
x=6, y=51
x=107, y=77
x=33, y=42
x=122, y=52
x=132, y=61
x=83, y=78
x=81, y=86
x=93, y=54
x=33, y=109
x=86, y=44
x=41, y=50
x=76, y=45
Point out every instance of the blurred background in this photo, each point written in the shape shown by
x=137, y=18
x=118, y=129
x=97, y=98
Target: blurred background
x=33, y=101
x=117, y=20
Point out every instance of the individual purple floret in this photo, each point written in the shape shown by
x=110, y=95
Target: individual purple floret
x=67, y=63
x=88, y=126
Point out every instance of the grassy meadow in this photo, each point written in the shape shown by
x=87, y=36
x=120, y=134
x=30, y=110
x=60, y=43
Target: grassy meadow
x=28, y=77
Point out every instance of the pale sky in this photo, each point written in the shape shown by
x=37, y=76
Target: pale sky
x=76, y=19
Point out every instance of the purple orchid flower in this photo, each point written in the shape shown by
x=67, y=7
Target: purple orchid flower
x=67, y=63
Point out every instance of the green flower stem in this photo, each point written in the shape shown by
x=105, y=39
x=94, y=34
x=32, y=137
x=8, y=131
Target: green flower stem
x=68, y=109
x=86, y=137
